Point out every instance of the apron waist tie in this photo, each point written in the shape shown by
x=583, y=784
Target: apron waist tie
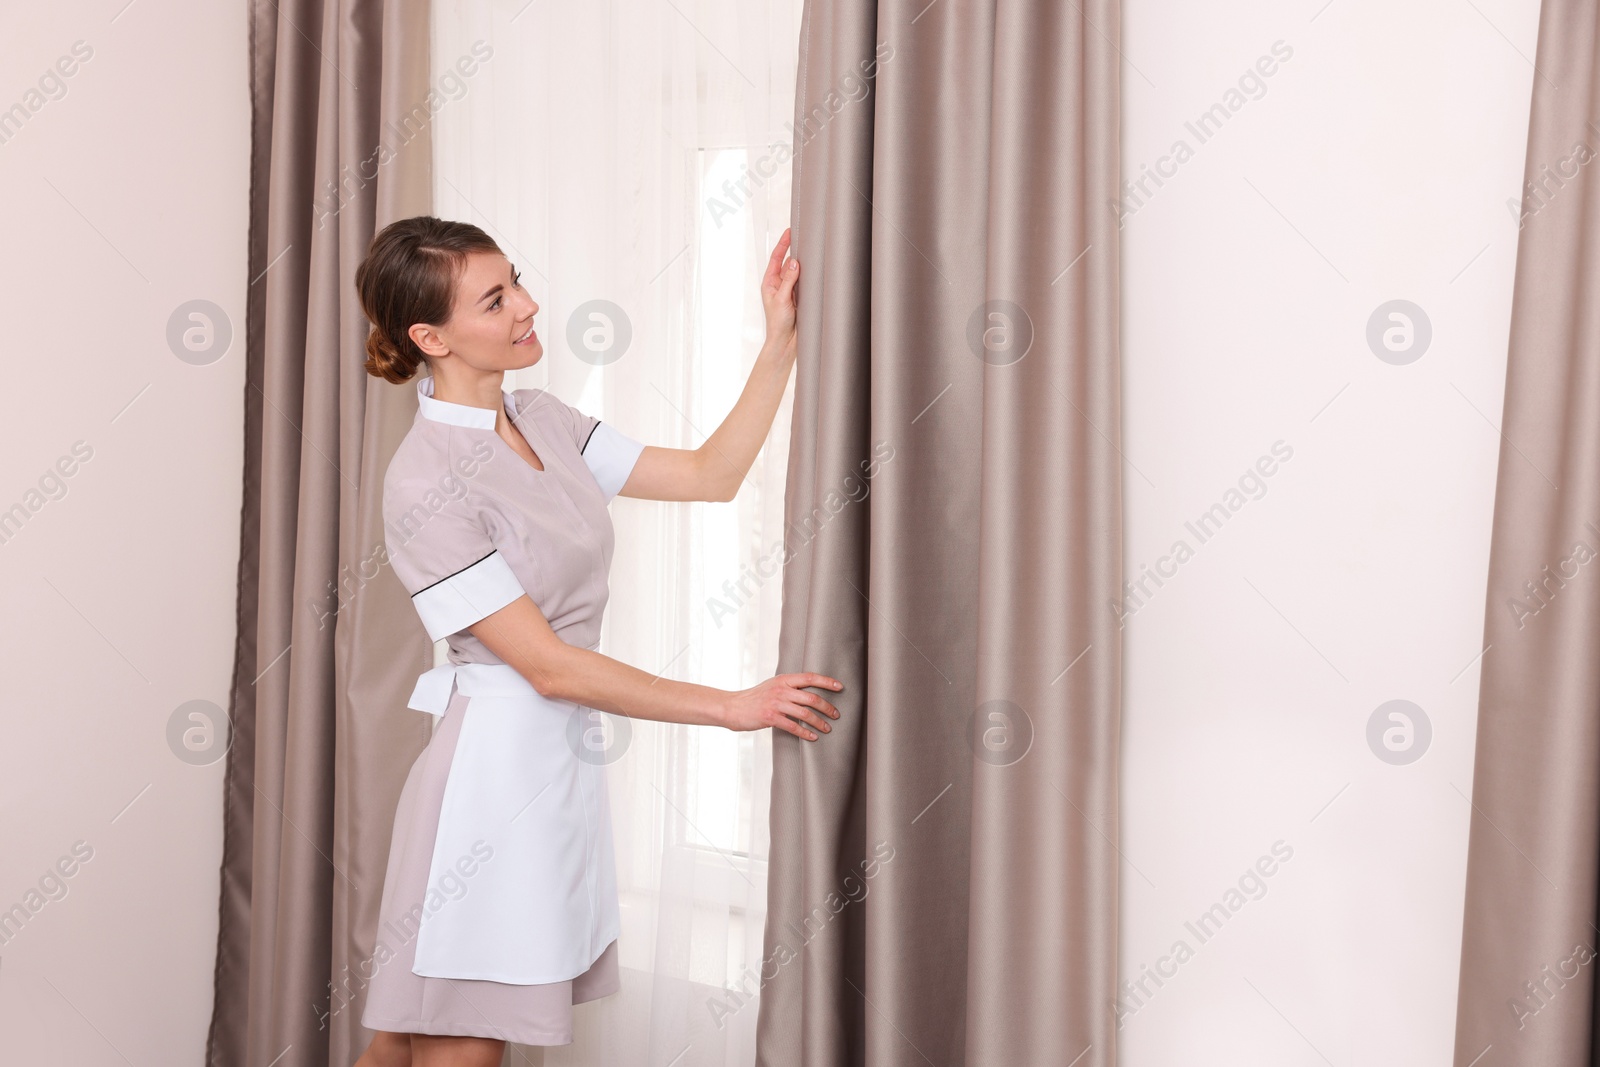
x=435, y=687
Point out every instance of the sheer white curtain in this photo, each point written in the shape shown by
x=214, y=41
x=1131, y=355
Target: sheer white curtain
x=620, y=152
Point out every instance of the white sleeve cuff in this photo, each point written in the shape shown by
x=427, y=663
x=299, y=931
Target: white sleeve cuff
x=452, y=604
x=610, y=455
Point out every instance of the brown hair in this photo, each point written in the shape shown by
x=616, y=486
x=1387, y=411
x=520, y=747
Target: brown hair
x=409, y=276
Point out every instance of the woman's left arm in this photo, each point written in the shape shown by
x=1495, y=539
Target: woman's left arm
x=716, y=469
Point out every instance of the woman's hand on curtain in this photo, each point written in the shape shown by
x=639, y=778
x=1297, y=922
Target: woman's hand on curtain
x=778, y=702
x=780, y=297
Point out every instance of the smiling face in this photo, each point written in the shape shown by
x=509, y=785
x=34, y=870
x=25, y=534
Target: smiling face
x=491, y=322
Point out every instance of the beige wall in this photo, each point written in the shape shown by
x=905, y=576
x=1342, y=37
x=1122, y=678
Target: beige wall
x=1373, y=164
x=124, y=197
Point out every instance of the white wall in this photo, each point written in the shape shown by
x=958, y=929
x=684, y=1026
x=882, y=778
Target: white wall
x=1375, y=166
x=123, y=198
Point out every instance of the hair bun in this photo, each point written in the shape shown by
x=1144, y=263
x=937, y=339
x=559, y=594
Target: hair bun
x=410, y=275
x=385, y=360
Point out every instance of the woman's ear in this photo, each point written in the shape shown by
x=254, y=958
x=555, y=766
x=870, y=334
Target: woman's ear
x=427, y=339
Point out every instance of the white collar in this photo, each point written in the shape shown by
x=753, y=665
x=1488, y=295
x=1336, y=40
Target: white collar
x=455, y=414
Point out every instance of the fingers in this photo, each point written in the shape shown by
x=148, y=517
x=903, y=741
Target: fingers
x=775, y=271
x=786, y=723
x=811, y=719
x=821, y=681
x=801, y=703
x=797, y=719
x=800, y=696
x=779, y=283
x=802, y=679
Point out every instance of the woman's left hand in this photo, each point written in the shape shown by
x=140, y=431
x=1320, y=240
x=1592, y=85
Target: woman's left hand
x=779, y=298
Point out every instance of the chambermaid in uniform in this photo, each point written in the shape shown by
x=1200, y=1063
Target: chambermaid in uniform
x=499, y=908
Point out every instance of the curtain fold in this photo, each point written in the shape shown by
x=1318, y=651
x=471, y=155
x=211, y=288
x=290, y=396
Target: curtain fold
x=1527, y=990
x=320, y=738
x=944, y=868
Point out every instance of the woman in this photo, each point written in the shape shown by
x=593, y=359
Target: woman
x=499, y=908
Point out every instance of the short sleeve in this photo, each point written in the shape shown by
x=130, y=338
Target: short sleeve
x=610, y=456
x=442, y=554
x=609, y=453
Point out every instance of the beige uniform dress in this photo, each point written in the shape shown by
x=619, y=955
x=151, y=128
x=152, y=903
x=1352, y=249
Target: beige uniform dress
x=499, y=908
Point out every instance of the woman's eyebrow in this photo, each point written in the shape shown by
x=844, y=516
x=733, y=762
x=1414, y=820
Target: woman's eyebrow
x=497, y=285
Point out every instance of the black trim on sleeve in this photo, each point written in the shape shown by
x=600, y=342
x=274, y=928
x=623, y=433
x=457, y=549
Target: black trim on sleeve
x=592, y=429
x=447, y=577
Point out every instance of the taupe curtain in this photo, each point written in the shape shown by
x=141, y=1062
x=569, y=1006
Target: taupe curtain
x=944, y=864
x=1527, y=995
x=321, y=738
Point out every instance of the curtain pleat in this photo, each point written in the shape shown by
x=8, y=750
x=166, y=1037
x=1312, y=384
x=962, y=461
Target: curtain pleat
x=943, y=882
x=327, y=649
x=1527, y=991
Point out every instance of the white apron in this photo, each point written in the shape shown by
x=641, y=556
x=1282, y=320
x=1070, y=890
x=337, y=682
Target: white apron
x=544, y=906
